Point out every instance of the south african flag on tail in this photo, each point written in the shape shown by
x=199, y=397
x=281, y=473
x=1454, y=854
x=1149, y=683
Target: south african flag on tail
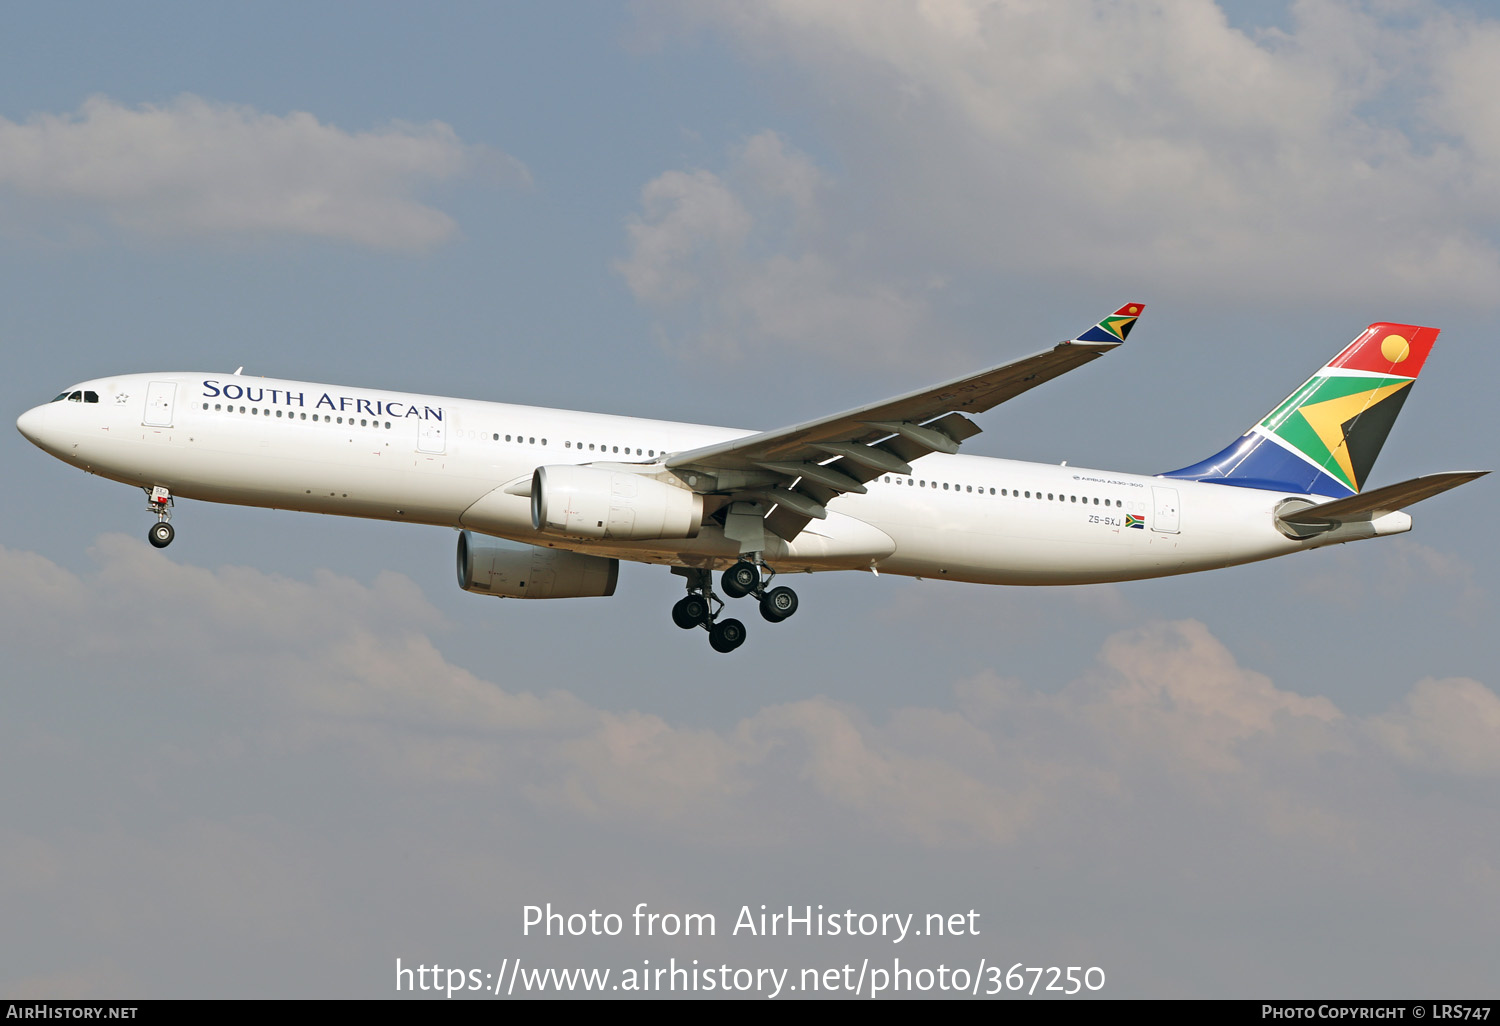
x=1324, y=437
x=1116, y=327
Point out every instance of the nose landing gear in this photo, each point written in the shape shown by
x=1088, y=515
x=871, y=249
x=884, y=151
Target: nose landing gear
x=159, y=501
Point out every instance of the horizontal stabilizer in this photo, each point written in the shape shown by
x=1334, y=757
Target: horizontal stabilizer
x=1377, y=503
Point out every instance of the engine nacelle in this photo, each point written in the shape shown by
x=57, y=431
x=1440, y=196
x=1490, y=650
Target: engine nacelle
x=490, y=568
x=589, y=502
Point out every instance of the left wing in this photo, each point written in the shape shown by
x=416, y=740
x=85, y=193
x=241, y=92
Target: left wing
x=798, y=470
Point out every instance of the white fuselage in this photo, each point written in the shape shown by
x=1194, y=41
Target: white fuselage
x=433, y=460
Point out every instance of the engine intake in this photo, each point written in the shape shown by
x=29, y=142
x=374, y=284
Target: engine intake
x=490, y=568
x=590, y=502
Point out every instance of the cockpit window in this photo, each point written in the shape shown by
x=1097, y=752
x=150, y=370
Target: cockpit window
x=91, y=397
x=77, y=397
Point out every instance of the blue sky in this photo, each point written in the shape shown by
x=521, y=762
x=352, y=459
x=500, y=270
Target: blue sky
x=274, y=758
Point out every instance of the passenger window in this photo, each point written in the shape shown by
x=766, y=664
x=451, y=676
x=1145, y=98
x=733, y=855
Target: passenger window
x=945, y=486
x=531, y=441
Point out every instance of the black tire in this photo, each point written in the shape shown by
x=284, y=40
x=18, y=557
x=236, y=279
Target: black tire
x=778, y=604
x=726, y=635
x=690, y=612
x=740, y=579
x=161, y=535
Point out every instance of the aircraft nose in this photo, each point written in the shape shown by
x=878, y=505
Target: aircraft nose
x=28, y=422
x=32, y=424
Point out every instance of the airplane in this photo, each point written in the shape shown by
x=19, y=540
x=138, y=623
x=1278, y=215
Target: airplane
x=880, y=488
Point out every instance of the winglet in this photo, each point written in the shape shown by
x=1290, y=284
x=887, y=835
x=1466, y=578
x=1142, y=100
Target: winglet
x=1112, y=330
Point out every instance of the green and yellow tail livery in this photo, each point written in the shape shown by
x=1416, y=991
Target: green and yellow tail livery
x=1323, y=439
x=1114, y=328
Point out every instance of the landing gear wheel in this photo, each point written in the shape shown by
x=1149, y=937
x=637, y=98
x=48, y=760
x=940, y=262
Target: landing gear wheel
x=726, y=635
x=741, y=579
x=778, y=604
x=690, y=612
x=161, y=535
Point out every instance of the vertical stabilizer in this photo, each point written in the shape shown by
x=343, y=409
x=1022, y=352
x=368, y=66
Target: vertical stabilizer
x=1323, y=439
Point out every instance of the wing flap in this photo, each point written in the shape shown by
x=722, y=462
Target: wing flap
x=786, y=524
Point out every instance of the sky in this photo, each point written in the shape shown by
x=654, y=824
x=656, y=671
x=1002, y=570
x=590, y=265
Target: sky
x=289, y=751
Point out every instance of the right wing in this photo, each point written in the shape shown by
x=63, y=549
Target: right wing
x=799, y=469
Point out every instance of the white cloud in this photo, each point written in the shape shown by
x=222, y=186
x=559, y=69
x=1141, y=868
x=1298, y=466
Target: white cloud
x=1351, y=156
x=350, y=664
x=1447, y=726
x=1353, y=579
x=732, y=264
x=1165, y=763
x=197, y=168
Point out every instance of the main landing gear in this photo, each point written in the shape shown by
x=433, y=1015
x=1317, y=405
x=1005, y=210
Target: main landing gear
x=159, y=501
x=776, y=604
x=701, y=607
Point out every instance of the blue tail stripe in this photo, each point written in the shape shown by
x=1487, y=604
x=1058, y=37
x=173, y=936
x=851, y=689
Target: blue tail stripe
x=1098, y=334
x=1255, y=461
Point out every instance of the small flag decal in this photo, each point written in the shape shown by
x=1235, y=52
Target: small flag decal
x=1131, y=520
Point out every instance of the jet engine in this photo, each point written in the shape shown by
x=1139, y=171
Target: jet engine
x=491, y=568
x=590, y=502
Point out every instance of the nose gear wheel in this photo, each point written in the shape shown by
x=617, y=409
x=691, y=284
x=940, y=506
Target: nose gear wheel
x=159, y=502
